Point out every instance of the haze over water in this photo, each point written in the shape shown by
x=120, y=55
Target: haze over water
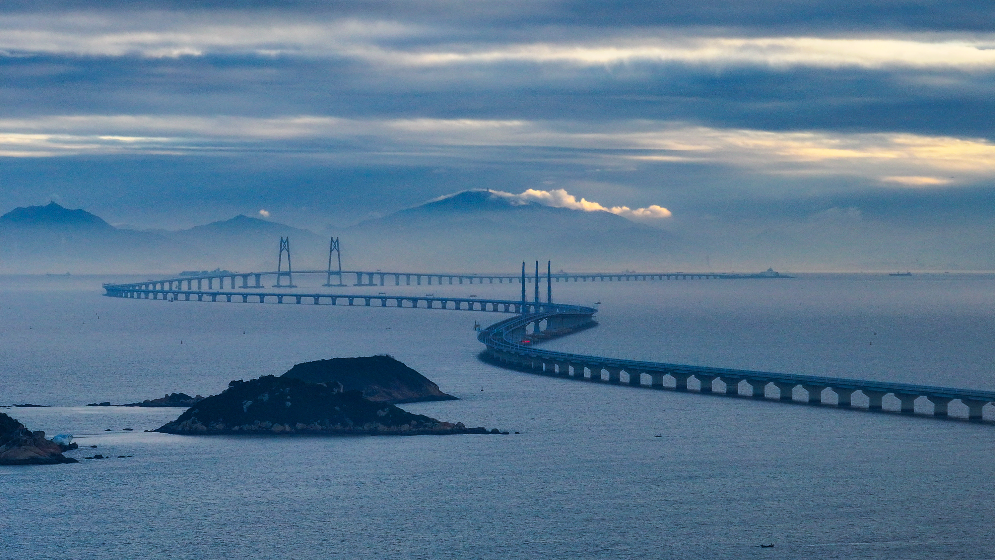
x=587, y=477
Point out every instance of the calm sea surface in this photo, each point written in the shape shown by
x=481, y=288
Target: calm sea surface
x=595, y=472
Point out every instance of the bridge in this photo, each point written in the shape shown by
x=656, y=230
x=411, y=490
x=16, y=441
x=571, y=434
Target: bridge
x=512, y=342
x=259, y=280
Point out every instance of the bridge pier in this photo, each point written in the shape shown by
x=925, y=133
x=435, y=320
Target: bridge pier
x=785, y=390
x=758, y=388
x=635, y=377
x=614, y=375
x=732, y=384
x=680, y=380
x=940, y=405
x=706, y=382
x=814, y=393
x=908, y=402
x=843, y=396
x=874, y=399
x=975, y=409
x=656, y=380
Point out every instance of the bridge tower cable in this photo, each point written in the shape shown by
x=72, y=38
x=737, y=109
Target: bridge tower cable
x=334, y=247
x=280, y=273
x=537, y=286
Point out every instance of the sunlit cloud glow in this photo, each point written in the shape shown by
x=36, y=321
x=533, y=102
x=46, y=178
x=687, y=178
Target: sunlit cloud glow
x=560, y=198
x=917, y=181
x=778, y=52
x=165, y=35
x=891, y=158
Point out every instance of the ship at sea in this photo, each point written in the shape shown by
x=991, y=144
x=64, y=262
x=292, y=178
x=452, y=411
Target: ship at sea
x=769, y=273
x=899, y=274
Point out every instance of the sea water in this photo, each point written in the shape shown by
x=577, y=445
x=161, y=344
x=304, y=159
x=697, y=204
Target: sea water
x=595, y=471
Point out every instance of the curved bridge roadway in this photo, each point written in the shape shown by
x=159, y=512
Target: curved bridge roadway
x=511, y=343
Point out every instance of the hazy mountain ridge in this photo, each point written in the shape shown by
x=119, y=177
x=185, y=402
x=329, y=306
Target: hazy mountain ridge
x=470, y=230
x=476, y=230
x=52, y=215
x=54, y=239
x=250, y=243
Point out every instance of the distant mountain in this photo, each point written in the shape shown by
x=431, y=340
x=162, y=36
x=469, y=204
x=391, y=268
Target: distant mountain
x=52, y=216
x=467, y=231
x=54, y=239
x=253, y=244
x=482, y=230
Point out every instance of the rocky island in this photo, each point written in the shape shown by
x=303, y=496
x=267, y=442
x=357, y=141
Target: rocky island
x=287, y=405
x=20, y=446
x=174, y=400
x=378, y=378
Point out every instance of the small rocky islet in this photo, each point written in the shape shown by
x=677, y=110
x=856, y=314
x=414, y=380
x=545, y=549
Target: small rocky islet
x=379, y=378
x=20, y=446
x=287, y=405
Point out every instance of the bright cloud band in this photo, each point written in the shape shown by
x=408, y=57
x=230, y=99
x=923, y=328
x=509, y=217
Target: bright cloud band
x=898, y=159
x=377, y=42
x=560, y=198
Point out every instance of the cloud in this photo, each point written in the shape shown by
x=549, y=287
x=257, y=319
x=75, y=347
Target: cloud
x=881, y=157
x=917, y=181
x=775, y=52
x=394, y=43
x=560, y=198
x=264, y=213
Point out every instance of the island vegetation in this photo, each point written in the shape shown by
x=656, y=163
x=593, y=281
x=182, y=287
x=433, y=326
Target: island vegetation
x=286, y=405
x=379, y=378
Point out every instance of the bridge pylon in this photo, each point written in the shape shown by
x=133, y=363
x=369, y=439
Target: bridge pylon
x=537, y=284
x=549, y=281
x=280, y=273
x=334, y=247
x=524, y=301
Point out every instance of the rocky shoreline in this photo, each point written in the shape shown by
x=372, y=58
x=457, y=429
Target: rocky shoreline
x=284, y=406
x=20, y=446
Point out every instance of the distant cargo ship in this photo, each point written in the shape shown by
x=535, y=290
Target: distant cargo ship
x=769, y=273
x=899, y=274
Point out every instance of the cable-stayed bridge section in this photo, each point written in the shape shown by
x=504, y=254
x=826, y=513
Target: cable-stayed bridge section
x=259, y=280
x=512, y=343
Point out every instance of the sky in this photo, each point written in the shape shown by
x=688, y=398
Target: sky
x=812, y=134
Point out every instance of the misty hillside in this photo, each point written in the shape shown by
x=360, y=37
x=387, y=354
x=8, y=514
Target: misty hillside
x=479, y=230
x=248, y=243
x=53, y=239
x=52, y=217
x=468, y=231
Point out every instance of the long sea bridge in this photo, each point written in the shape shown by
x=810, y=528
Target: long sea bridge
x=255, y=280
x=512, y=342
